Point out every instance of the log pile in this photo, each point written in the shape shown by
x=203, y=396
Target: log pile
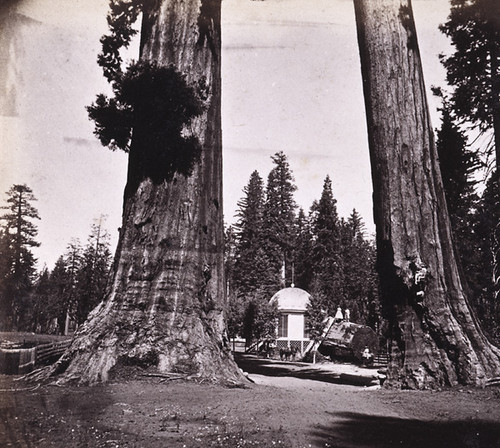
x=348, y=340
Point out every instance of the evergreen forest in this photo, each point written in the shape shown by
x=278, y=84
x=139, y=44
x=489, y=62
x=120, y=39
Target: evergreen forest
x=47, y=301
x=273, y=244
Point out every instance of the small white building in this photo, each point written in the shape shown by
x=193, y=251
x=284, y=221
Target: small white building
x=292, y=305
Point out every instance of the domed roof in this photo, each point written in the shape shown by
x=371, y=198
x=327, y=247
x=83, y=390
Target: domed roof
x=291, y=299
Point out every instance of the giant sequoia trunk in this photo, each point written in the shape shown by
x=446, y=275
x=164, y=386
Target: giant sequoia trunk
x=435, y=337
x=165, y=306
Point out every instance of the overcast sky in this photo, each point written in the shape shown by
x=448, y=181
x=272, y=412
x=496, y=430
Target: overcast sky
x=291, y=82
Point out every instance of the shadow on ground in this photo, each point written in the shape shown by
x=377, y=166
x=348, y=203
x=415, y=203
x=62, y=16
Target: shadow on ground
x=373, y=431
x=272, y=367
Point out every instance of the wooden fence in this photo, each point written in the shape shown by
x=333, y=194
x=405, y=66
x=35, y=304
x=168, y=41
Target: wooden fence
x=381, y=359
x=50, y=353
x=16, y=361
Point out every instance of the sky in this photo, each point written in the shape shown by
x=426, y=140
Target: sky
x=291, y=82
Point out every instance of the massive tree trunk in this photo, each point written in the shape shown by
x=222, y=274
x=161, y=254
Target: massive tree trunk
x=435, y=337
x=166, y=302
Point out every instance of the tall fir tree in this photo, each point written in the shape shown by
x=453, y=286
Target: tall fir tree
x=326, y=283
x=250, y=269
x=74, y=262
x=302, y=259
x=235, y=311
x=43, y=314
x=458, y=164
x=63, y=286
x=6, y=299
x=279, y=220
x=19, y=233
x=485, y=229
x=326, y=251
x=93, y=272
x=474, y=71
x=251, y=276
x=360, y=284
x=473, y=27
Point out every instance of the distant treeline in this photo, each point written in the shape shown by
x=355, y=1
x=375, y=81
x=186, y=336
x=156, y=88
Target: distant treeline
x=274, y=244
x=49, y=301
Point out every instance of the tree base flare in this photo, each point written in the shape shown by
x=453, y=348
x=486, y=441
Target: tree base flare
x=107, y=348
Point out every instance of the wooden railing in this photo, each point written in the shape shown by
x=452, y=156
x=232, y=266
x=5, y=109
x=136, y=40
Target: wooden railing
x=381, y=359
x=48, y=353
x=23, y=360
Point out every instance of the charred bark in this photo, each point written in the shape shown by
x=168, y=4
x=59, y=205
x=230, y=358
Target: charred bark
x=436, y=339
x=166, y=300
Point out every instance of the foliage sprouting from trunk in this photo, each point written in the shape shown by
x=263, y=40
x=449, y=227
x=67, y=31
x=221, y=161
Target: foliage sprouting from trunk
x=158, y=105
x=153, y=102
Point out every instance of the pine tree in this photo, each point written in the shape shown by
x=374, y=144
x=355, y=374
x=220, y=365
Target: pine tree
x=260, y=318
x=316, y=313
x=236, y=304
x=19, y=234
x=93, y=271
x=486, y=224
x=279, y=221
x=326, y=251
x=253, y=283
x=6, y=299
x=474, y=69
x=360, y=284
x=251, y=265
x=229, y=256
x=458, y=165
x=73, y=260
x=302, y=259
x=44, y=308
x=63, y=284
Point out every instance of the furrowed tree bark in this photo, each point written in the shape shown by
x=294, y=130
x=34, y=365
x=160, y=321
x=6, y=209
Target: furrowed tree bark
x=435, y=338
x=166, y=302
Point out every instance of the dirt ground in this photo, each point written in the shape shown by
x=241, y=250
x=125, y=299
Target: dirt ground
x=288, y=405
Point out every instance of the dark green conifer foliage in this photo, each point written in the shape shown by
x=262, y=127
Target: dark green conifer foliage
x=326, y=284
x=152, y=100
x=251, y=281
x=279, y=220
x=316, y=313
x=158, y=105
x=73, y=260
x=326, y=254
x=302, y=256
x=485, y=261
x=458, y=164
x=251, y=266
x=63, y=286
x=474, y=69
x=19, y=233
x=93, y=271
x=359, y=276
x=6, y=299
x=229, y=256
x=121, y=18
x=44, y=307
x=260, y=318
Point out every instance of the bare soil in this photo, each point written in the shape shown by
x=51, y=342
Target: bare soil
x=288, y=405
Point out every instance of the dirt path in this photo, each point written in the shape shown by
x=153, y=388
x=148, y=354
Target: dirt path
x=275, y=411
